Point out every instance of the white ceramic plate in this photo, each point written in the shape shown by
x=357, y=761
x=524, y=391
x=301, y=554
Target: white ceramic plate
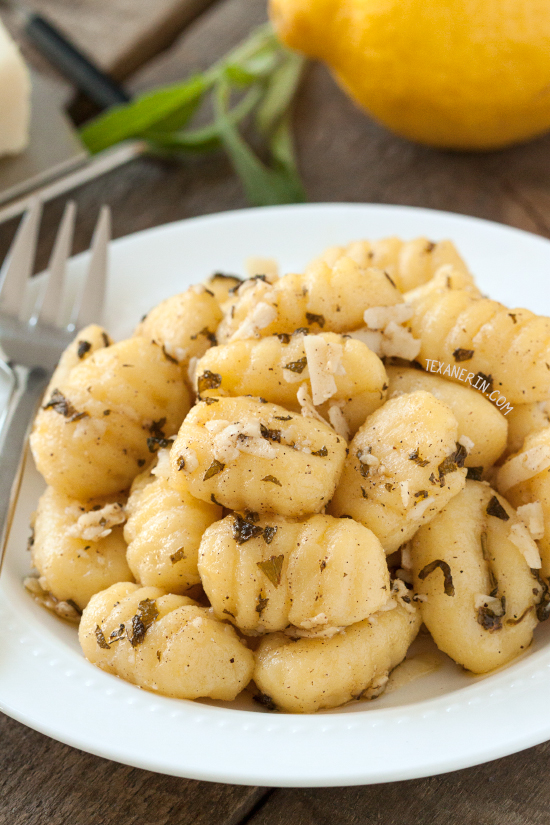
x=444, y=721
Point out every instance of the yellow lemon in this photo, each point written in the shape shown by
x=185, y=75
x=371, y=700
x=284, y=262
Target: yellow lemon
x=461, y=74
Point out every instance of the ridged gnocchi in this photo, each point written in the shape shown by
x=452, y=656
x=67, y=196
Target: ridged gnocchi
x=164, y=530
x=480, y=338
x=318, y=574
x=164, y=643
x=408, y=263
x=310, y=674
x=245, y=454
x=477, y=418
x=108, y=418
x=332, y=299
x=404, y=465
x=525, y=480
x=480, y=595
x=184, y=325
x=78, y=547
x=335, y=369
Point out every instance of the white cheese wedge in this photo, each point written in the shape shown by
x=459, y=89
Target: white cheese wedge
x=15, y=88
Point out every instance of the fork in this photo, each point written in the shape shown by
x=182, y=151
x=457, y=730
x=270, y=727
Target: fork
x=33, y=334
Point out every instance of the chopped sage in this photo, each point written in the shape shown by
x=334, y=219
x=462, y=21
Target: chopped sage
x=273, y=480
x=262, y=604
x=104, y=645
x=265, y=701
x=445, y=569
x=315, y=319
x=147, y=614
x=297, y=366
x=414, y=456
x=495, y=508
x=463, y=354
x=283, y=337
x=210, y=336
x=272, y=568
x=209, y=400
x=179, y=555
x=83, y=348
x=244, y=530
x=474, y=473
x=321, y=453
x=215, y=468
x=270, y=435
x=208, y=381
x=269, y=534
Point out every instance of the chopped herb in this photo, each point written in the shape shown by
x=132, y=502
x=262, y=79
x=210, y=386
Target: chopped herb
x=207, y=334
x=244, y=530
x=213, y=500
x=495, y=508
x=218, y=276
x=106, y=412
x=389, y=487
x=323, y=565
x=117, y=635
x=229, y=613
x=101, y=638
x=209, y=400
x=513, y=317
x=273, y=480
x=414, y=456
x=364, y=492
x=463, y=354
x=272, y=568
x=265, y=701
x=297, y=366
x=106, y=339
x=489, y=619
x=215, y=468
x=484, y=549
x=445, y=569
x=270, y=435
x=454, y=461
x=392, y=282
x=156, y=443
x=252, y=516
x=346, y=516
x=77, y=416
x=283, y=417
x=488, y=379
x=179, y=555
x=147, y=614
x=168, y=356
x=315, y=319
x=262, y=604
x=60, y=404
x=83, y=348
x=421, y=494
x=180, y=461
x=283, y=337
x=157, y=428
x=430, y=246
x=301, y=331
x=208, y=381
x=322, y=452
x=474, y=473
x=543, y=607
x=269, y=534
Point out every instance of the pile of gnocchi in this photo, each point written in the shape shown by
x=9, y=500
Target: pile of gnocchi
x=267, y=488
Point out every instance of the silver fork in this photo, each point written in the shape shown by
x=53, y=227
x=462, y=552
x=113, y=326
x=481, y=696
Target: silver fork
x=32, y=337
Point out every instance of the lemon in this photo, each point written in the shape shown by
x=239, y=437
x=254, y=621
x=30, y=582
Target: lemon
x=460, y=74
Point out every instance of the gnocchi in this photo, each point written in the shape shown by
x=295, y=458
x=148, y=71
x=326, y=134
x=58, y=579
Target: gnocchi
x=404, y=465
x=164, y=643
x=335, y=370
x=472, y=564
x=164, y=529
x=243, y=454
x=318, y=574
x=108, y=418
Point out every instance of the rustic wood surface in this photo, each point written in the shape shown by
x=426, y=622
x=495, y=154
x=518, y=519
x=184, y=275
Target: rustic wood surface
x=344, y=156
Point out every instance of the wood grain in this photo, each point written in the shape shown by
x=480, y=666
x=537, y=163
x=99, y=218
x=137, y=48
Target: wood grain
x=510, y=791
x=45, y=783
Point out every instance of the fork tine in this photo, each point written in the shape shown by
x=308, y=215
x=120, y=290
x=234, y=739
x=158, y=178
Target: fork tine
x=90, y=306
x=48, y=310
x=18, y=264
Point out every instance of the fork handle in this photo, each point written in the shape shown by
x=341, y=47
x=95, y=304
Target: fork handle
x=16, y=424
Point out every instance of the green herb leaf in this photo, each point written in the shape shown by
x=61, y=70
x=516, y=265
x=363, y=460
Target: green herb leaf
x=145, y=113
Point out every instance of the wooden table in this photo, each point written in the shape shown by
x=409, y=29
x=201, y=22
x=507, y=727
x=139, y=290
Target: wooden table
x=344, y=156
